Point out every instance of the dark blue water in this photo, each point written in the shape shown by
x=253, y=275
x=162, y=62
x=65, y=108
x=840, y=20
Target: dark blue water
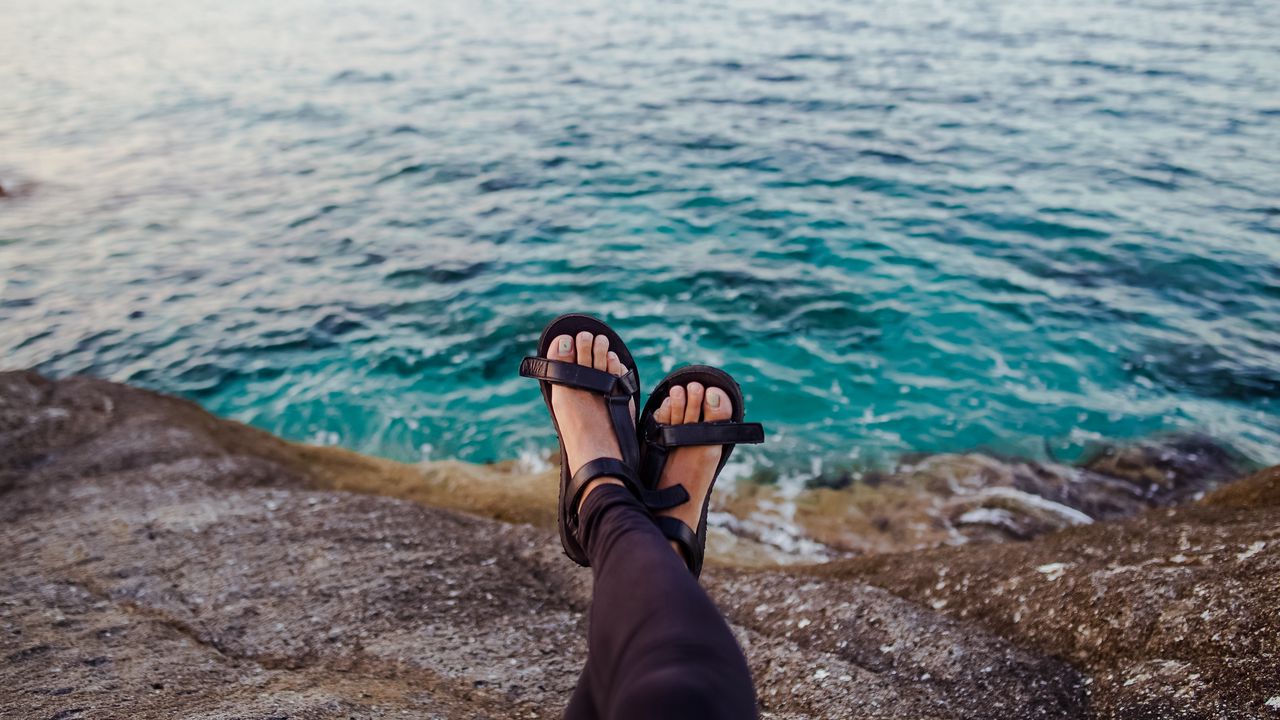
x=1023, y=226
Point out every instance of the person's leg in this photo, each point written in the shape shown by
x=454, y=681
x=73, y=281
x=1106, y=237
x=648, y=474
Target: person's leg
x=657, y=647
x=581, y=705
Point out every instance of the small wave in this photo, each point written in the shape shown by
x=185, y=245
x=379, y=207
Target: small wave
x=359, y=77
x=501, y=183
x=439, y=274
x=1034, y=227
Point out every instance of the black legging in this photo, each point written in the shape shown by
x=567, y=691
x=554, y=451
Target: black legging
x=657, y=647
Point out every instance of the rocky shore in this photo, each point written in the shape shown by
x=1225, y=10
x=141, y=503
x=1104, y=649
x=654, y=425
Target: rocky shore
x=159, y=562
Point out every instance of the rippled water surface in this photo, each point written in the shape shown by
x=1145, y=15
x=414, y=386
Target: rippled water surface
x=1024, y=226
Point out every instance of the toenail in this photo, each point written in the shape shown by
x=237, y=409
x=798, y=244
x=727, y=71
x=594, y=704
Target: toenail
x=713, y=399
x=565, y=345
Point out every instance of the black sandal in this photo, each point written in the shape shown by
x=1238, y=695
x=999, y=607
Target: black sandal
x=659, y=440
x=618, y=392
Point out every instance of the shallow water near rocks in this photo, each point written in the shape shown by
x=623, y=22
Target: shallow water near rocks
x=1024, y=227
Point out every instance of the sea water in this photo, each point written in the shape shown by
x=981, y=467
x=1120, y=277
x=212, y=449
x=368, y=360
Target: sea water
x=1027, y=227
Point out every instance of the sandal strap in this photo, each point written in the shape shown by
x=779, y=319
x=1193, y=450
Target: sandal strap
x=600, y=467
x=665, y=498
x=578, y=376
x=617, y=389
x=705, y=433
x=624, y=429
x=687, y=539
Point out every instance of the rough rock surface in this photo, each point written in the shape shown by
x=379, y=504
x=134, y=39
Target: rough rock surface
x=932, y=500
x=1173, y=614
x=161, y=563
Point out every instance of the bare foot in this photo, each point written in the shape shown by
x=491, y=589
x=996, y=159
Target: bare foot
x=585, y=427
x=692, y=466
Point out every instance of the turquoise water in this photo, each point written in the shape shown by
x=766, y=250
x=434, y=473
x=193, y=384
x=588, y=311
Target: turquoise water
x=904, y=226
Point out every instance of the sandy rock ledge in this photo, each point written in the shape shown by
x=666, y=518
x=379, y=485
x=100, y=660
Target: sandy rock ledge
x=160, y=563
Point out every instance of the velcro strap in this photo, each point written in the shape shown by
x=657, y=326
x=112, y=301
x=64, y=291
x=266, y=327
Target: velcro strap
x=575, y=375
x=677, y=531
x=665, y=498
x=712, y=433
x=600, y=467
x=624, y=428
